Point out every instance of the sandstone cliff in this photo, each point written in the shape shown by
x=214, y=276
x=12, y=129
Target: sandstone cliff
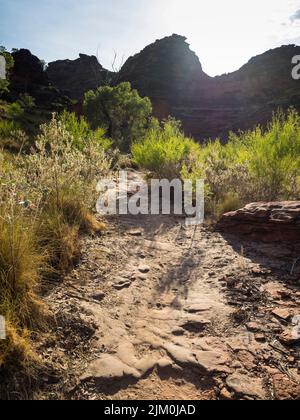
x=75, y=77
x=171, y=75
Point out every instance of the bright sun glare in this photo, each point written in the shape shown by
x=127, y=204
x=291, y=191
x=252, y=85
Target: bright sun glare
x=225, y=35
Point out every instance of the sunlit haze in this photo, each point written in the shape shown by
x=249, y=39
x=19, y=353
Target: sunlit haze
x=224, y=34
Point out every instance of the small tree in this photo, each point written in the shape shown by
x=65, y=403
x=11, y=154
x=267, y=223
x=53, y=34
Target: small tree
x=120, y=111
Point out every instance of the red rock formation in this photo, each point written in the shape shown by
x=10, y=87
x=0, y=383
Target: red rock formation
x=75, y=77
x=267, y=222
x=171, y=74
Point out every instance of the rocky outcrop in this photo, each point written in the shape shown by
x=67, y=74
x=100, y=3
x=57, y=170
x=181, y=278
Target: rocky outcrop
x=267, y=222
x=29, y=77
x=171, y=75
x=75, y=77
x=28, y=72
x=165, y=69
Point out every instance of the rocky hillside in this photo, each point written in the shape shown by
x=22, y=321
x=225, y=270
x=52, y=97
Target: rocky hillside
x=29, y=77
x=75, y=77
x=171, y=75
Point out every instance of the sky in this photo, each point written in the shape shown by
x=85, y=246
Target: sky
x=225, y=34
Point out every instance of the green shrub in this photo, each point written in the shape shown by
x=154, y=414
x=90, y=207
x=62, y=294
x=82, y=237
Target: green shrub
x=257, y=165
x=120, y=111
x=11, y=136
x=15, y=111
x=165, y=151
x=81, y=132
x=26, y=101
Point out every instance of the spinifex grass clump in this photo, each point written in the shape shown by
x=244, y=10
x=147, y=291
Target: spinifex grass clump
x=45, y=202
x=22, y=262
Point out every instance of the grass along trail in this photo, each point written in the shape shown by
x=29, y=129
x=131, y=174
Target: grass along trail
x=156, y=310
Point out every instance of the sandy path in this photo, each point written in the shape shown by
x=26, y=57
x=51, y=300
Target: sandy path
x=169, y=312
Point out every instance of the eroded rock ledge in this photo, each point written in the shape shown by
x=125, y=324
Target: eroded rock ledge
x=267, y=222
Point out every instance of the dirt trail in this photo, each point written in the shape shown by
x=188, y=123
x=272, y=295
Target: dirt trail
x=156, y=310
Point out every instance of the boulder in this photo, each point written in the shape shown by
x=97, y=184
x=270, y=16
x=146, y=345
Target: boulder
x=266, y=222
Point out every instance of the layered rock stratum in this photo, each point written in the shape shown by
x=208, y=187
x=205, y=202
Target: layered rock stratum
x=267, y=222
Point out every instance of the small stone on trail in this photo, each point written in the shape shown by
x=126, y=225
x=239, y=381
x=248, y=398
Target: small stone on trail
x=290, y=337
x=135, y=232
x=194, y=309
x=253, y=327
x=260, y=338
x=144, y=269
x=283, y=313
x=244, y=385
x=99, y=296
x=195, y=325
x=122, y=284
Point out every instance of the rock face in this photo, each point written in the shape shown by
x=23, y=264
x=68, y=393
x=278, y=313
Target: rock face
x=28, y=76
x=267, y=222
x=75, y=77
x=28, y=72
x=165, y=69
x=171, y=75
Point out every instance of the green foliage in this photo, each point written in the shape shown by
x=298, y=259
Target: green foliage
x=81, y=132
x=15, y=111
x=121, y=111
x=11, y=136
x=257, y=165
x=8, y=128
x=165, y=151
x=26, y=101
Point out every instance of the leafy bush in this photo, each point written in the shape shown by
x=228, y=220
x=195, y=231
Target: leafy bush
x=82, y=133
x=26, y=101
x=15, y=111
x=257, y=165
x=120, y=111
x=165, y=151
x=45, y=201
x=11, y=136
